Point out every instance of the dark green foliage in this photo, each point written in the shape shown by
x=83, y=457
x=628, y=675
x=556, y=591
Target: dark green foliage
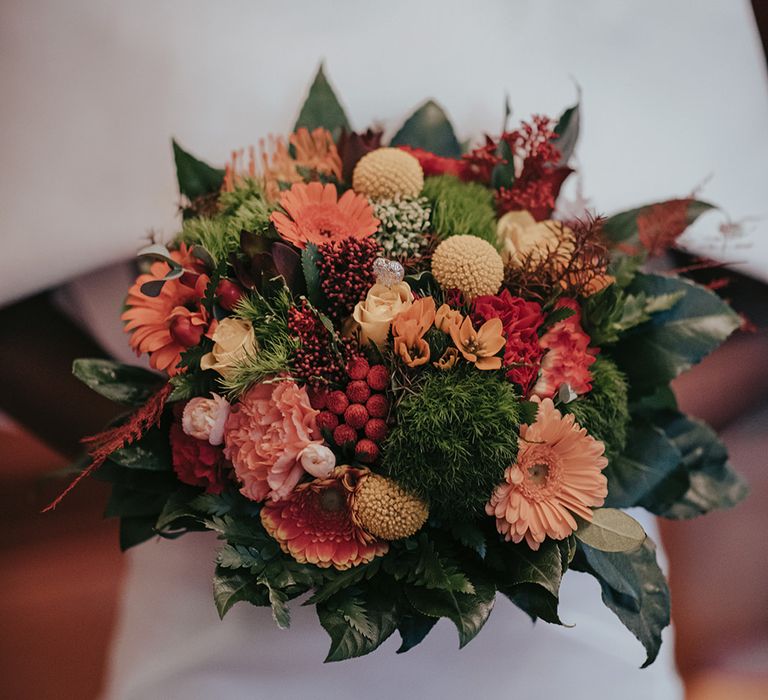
x=429, y=128
x=454, y=438
x=322, y=107
x=195, y=177
x=604, y=411
x=118, y=382
x=567, y=130
x=460, y=208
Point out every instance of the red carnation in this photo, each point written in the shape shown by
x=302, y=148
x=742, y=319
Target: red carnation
x=197, y=462
x=521, y=321
x=437, y=165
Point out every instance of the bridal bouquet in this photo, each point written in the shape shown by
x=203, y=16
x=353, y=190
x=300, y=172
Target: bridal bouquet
x=397, y=381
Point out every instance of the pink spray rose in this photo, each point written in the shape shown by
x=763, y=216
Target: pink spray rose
x=204, y=419
x=264, y=436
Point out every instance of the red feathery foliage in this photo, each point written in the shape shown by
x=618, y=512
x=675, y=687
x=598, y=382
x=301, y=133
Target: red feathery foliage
x=103, y=444
x=481, y=161
x=660, y=225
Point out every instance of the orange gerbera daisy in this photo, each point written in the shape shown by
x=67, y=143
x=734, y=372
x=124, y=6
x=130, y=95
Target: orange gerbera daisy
x=482, y=345
x=313, y=215
x=169, y=323
x=408, y=330
x=315, y=525
x=558, y=473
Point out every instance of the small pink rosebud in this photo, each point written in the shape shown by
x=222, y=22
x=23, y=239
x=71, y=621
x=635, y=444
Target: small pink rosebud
x=204, y=419
x=317, y=460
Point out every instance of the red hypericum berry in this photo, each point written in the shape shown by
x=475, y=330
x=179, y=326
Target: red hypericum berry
x=344, y=434
x=358, y=391
x=318, y=397
x=337, y=402
x=378, y=377
x=358, y=368
x=327, y=420
x=377, y=406
x=367, y=451
x=356, y=416
x=376, y=429
x=184, y=332
x=228, y=293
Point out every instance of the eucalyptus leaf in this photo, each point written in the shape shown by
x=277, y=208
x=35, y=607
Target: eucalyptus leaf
x=121, y=383
x=429, y=128
x=567, y=130
x=195, y=177
x=322, y=108
x=610, y=530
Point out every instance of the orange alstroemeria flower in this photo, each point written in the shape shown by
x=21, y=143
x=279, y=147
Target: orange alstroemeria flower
x=482, y=345
x=408, y=330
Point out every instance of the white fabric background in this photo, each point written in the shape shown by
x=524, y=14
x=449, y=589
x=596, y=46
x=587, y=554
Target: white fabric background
x=92, y=91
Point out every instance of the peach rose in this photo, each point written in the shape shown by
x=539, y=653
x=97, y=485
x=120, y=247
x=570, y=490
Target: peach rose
x=234, y=341
x=264, y=436
x=519, y=235
x=374, y=315
x=204, y=419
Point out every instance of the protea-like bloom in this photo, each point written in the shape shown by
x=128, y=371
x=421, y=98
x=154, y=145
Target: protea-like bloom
x=313, y=214
x=169, y=323
x=315, y=523
x=558, y=473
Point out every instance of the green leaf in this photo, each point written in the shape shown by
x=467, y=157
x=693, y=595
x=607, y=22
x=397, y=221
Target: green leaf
x=124, y=501
x=278, y=601
x=356, y=624
x=622, y=227
x=177, y=507
x=634, y=588
x=672, y=341
x=429, y=128
x=118, y=382
x=469, y=535
x=703, y=480
x=503, y=174
x=535, y=601
x=339, y=580
x=213, y=504
x=230, y=587
x=322, y=107
x=238, y=530
x=413, y=628
x=610, y=530
x=649, y=458
x=138, y=479
x=432, y=571
x=309, y=259
x=468, y=612
x=195, y=177
x=567, y=131
x=152, y=453
x=135, y=530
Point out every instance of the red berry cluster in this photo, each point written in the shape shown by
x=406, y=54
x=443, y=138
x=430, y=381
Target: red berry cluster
x=357, y=415
x=346, y=273
x=319, y=359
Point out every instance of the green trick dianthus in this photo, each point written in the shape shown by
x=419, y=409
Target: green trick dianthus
x=454, y=438
x=460, y=208
x=604, y=411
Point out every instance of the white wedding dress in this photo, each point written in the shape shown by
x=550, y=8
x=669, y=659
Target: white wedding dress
x=113, y=81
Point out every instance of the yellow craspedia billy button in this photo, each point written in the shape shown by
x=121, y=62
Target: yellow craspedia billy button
x=386, y=173
x=385, y=510
x=469, y=264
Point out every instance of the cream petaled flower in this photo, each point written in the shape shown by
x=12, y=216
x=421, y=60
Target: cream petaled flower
x=234, y=341
x=204, y=419
x=520, y=236
x=374, y=315
x=558, y=473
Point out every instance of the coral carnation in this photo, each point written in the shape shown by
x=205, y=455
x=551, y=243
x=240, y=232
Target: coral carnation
x=315, y=523
x=558, y=473
x=314, y=215
x=167, y=324
x=264, y=435
x=196, y=462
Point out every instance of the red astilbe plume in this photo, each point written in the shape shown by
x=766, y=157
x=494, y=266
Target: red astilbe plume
x=346, y=273
x=480, y=161
x=540, y=180
x=576, y=267
x=102, y=445
x=660, y=225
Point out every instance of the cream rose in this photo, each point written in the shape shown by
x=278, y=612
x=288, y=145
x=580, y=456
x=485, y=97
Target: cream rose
x=520, y=236
x=374, y=315
x=234, y=340
x=317, y=460
x=204, y=419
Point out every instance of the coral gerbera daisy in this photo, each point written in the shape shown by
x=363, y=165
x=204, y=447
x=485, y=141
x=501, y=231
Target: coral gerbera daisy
x=167, y=324
x=314, y=215
x=315, y=523
x=558, y=473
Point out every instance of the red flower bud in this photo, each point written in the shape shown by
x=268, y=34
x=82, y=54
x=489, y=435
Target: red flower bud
x=228, y=294
x=184, y=332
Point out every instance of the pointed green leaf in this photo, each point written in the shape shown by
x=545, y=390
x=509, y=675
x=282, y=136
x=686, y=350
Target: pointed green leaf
x=136, y=529
x=429, y=128
x=413, y=628
x=230, y=587
x=322, y=107
x=278, y=601
x=567, y=131
x=118, y=382
x=610, y=530
x=195, y=177
x=309, y=259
